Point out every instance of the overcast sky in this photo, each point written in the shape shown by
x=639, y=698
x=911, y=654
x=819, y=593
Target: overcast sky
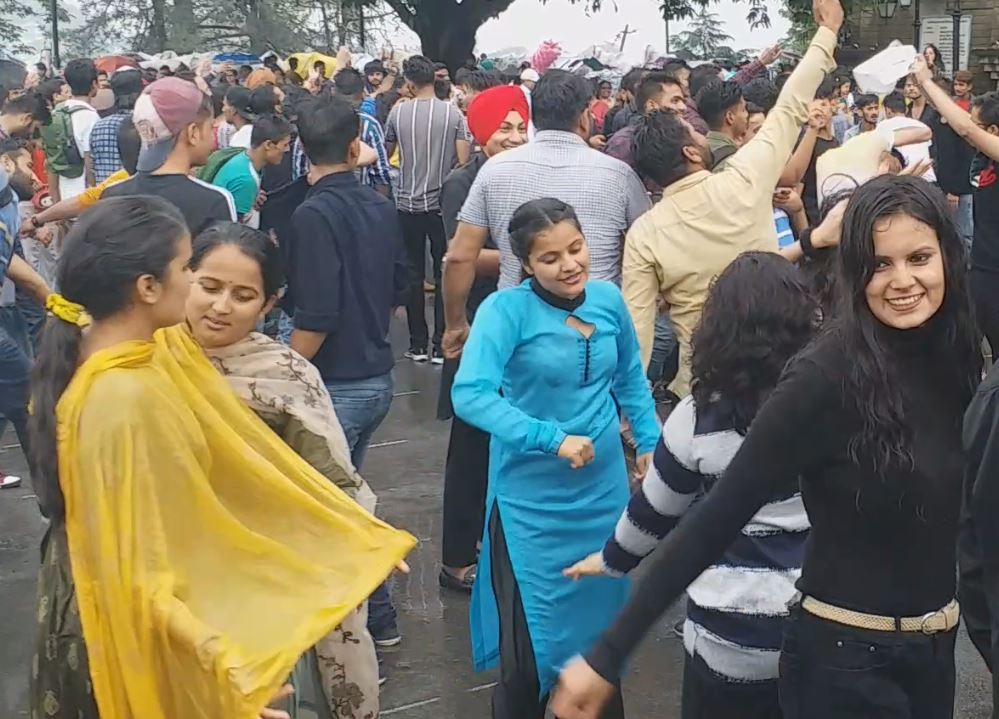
x=527, y=22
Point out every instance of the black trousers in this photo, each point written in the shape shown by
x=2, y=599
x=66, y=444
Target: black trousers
x=416, y=229
x=708, y=695
x=831, y=671
x=466, y=475
x=984, y=287
x=516, y=696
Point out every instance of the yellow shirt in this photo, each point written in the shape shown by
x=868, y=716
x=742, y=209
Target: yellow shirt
x=705, y=220
x=91, y=195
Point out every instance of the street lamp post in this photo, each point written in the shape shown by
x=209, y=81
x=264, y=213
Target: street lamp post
x=54, y=9
x=954, y=10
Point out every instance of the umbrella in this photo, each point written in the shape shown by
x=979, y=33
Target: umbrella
x=110, y=63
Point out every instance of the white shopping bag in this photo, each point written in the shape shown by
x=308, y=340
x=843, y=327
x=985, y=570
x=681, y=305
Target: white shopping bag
x=879, y=74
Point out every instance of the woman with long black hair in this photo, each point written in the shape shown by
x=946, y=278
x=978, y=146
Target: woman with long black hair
x=869, y=418
x=757, y=316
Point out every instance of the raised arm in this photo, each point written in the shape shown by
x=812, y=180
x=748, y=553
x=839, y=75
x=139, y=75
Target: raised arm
x=958, y=119
x=762, y=160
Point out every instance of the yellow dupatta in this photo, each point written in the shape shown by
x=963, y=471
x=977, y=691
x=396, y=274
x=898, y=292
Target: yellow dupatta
x=207, y=556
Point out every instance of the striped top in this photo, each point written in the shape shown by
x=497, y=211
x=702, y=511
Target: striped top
x=736, y=608
x=425, y=131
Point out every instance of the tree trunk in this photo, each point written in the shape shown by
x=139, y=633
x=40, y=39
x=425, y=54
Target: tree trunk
x=445, y=42
x=447, y=28
x=157, y=28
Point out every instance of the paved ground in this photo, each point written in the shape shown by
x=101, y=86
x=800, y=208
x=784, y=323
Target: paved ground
x=430, y=673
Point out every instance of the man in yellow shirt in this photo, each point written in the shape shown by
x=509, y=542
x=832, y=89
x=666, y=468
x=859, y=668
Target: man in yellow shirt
x=706, y=219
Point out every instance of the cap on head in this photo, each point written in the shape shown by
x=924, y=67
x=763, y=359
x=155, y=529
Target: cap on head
x=161, y=113
x=530, y=75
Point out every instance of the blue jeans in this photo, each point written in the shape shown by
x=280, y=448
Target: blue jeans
x=964, y=218
x=665, y=351
x=361, y=406
x=15, y=372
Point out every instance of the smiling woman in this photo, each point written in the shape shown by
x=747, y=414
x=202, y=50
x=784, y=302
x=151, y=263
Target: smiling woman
x=868, y=420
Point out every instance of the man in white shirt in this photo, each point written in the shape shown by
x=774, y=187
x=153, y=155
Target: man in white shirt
x=895, y=119
x=81, y=76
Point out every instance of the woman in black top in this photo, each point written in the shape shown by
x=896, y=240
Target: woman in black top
x=869, y=418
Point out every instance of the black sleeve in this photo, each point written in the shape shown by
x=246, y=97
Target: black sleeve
x=314, y=268
x=783, y=441
x=978, y=545
x=453, y=193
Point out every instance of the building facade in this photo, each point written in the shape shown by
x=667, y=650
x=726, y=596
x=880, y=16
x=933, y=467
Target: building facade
x=921, y=22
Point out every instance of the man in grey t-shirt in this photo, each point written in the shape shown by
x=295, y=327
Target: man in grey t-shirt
x=432, y=138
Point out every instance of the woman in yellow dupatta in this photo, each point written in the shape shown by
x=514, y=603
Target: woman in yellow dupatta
x=203, y=555
x=237, y=276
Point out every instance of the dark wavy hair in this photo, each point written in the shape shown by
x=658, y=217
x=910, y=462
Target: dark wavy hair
x=868, y=385
x=758, y=315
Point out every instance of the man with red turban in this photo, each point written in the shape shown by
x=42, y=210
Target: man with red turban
x=497, y=119
x=495, y=112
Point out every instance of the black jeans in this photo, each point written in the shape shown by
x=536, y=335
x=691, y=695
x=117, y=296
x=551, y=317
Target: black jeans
x=516, y=694
x=416, y=228
x=832, y=671
x=466, y=475
x=708, y=695
x=984, y=287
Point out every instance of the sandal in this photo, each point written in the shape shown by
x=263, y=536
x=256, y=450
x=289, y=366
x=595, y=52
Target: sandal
x=449, y=580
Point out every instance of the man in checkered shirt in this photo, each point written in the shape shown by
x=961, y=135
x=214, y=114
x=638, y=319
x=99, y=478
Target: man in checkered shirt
x=127, y=86
x=606, y=194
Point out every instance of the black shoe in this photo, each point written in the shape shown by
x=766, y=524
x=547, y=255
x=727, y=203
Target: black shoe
x=437, y=357
x=417, y=354
x=450, y=580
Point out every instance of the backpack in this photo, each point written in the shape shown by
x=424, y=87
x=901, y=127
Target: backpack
x=61, y=152
x=216, y=161
x=722, y=154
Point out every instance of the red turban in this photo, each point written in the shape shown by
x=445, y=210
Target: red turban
x=489, y=109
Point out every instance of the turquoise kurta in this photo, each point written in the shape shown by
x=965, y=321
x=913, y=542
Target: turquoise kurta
x=529, y=380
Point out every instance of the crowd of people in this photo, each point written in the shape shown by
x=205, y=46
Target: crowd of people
x=735, y=317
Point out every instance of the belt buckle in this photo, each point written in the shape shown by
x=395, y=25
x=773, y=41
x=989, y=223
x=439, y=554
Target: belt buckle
x=925, y=626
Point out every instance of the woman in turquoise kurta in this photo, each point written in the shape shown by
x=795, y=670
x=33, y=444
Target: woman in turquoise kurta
x=547, y=369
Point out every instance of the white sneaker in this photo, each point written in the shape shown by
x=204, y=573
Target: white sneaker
x=9, y=481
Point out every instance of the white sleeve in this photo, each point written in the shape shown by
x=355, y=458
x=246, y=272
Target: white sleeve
x=83, y=125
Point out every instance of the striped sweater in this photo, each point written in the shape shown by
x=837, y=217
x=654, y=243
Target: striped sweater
x=736, y=608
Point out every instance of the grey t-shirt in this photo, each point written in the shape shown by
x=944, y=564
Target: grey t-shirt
x=425, y=131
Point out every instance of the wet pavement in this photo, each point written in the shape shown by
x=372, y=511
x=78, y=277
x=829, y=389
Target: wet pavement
x=430, y=673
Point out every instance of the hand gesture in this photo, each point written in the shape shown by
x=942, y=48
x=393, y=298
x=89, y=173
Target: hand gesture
x=917, y=169
x=454, y=340
x=787, y=199
x=592, y=566
x=828, y=13
x=642, y=463
x=771, y=54
x=818, y=115
x=921, y=70
x=581, y=692
x=578, y=450
x=827, y=234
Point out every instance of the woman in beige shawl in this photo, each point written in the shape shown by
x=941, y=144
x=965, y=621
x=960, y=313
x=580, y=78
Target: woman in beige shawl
x=236, y=279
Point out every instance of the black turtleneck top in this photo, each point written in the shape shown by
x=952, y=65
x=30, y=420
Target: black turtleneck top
x=881, y=542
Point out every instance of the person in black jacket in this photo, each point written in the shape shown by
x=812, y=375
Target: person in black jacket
x=868, y=420
x=497, y=118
